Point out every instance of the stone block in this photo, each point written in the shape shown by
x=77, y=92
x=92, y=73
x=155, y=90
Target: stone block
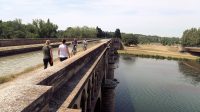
x=24, y=98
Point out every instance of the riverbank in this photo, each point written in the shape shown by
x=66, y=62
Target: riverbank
x=158, y=51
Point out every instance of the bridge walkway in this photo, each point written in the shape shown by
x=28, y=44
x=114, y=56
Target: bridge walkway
x=38, y=85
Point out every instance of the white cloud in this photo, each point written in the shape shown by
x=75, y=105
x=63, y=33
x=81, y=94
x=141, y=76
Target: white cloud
x=158, y=17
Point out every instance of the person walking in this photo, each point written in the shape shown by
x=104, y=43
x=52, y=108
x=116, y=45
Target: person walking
x=47, y=54
x=85, y=44
x=63, y=51
x=74, y=46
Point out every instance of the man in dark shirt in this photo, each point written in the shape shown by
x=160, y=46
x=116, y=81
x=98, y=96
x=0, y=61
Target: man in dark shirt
x=47, y=52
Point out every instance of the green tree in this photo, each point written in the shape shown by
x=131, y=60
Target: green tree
x=80, y=32
x=99, y=32
x=117, y=33
x=45, y=29
x=31, y=31
x=191, y=37
x=170, y=41
x=129, y=39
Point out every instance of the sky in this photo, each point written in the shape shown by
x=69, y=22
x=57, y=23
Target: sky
x=149, y=17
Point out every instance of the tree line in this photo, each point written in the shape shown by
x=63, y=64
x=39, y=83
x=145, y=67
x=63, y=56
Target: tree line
x=46, y=29
x=191, y=37
x=106, y=34
x=38, y=28
x=77, y=32
x=134, y=39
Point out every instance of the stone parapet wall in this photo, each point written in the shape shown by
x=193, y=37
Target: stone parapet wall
x=24, y=49
x=17, y=42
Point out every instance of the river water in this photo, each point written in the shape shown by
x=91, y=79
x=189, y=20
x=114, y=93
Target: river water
x=150, y=85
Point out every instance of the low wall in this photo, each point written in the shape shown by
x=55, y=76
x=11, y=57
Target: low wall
x=192, y=49
x=31, y=48
x=25, y=98
x=22, y=50
x=17, y=42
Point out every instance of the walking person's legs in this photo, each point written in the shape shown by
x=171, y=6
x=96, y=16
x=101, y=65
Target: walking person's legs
x=74, y=50
x=50, y=62
x=45, y=61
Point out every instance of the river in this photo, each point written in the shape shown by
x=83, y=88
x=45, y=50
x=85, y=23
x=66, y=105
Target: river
x=150, y=85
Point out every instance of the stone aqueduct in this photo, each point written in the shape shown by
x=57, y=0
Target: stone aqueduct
x=83, y=83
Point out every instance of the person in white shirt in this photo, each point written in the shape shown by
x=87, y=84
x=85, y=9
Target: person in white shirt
x=84, y=44
x=63, y=51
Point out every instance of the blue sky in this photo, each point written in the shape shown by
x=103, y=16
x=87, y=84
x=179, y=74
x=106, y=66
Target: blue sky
x=150, y=17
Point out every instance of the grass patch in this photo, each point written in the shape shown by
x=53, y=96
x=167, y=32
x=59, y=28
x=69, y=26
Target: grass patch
x=5, y=79
x=152, y=56
x=10, y=77
x=158, y=52
x=198, y=60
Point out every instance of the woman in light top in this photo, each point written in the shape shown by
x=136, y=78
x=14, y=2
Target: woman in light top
x=63, y=51
x=85, y=44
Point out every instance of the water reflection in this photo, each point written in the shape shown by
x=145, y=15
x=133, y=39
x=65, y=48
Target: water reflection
x=128, y=59
x=191, y=70
x=123, y=102
x=150, y=85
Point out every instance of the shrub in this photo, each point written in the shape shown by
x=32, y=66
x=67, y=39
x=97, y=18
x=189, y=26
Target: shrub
x=129, y=39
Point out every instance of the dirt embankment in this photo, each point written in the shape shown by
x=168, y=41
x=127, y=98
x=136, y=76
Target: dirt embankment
x=157, y=50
